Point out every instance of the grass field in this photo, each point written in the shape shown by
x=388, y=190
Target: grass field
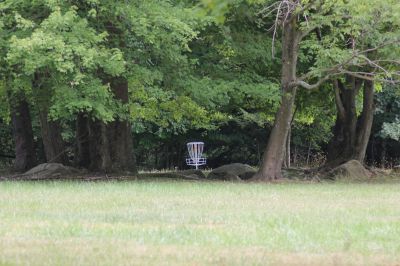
x=199, y=223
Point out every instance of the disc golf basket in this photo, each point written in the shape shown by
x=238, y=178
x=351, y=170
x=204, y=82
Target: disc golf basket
x=196, y=158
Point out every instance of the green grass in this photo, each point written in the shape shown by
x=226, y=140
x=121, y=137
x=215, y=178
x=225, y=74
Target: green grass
x=189, y=223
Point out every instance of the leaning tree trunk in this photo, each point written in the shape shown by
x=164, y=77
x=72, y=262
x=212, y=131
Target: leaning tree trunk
x=271, y=165
x=25, y=157
x=351, y=134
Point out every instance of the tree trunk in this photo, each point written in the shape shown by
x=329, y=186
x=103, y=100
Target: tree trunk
x=119, y=132
x=82, y=152
x=364, y=124
x=271, y=165
x=371, y=153
x=100, y=160
x=109, y=147
x=286, y=162
x=351, y=134
x=383, y=153
x=289, y=143
x=308, y=154
x=54, y=146
x=25, y=157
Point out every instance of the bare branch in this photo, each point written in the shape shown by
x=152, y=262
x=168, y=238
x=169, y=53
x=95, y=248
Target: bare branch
x=285, y=13
x=396, y=41
x=308, y=86
x=369, y=76
x=340, y=69
x=275, y=28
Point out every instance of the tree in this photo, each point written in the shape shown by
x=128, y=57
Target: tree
x=323, y=40
x=326, y=25
x=353, y=127
x=351, y=132
x=15, y=104
x=25, y=157
x=61, y=71
x=83, y=64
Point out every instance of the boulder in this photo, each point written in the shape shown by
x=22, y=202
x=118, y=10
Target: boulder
x=50, y=171
x=351, y=170
x=232, y=172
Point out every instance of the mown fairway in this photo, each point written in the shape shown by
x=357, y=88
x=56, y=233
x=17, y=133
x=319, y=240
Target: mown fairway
x=187, y=223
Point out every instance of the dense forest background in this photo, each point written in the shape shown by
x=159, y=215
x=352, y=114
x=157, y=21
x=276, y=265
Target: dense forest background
x=124, y=85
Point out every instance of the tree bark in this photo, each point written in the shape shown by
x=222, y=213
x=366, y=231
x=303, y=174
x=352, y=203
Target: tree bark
x=364, y=124
x=383, y=153
x=271, y=165
x=100, y=160
x=82, y=151
x=288, y=155
x=54, y=146
x=119, y=132
x=308, y=154
x=287, y=160
x=109, y=147
x=351, y=134
x=25, y=156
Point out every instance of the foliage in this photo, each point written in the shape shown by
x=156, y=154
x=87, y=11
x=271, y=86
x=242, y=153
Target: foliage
x=387, y=116
x=69, y=53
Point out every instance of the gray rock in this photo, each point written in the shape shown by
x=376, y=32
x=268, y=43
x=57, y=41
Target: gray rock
x=352, y=170
x=232, y=172
x=50, y=171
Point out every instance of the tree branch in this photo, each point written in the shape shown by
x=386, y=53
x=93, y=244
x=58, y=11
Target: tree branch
x=379, y=46
x=303, y=34
x=308, y=86
x=364, y=76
